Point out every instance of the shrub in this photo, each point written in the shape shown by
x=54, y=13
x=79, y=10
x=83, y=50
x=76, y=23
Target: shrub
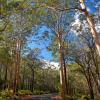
x=24, y=92
x=38, y=92
x=71, y=98
x=6, y=93
x=97, y=97
x=84, y=97
x=1, y=98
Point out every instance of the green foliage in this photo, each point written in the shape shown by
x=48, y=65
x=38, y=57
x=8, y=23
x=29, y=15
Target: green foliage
x=1, y=38
x=67, y=3
x=24, y=92
x=84, y=97
x=97, y=97
x=6, y=93
x=39, y=92
x=17, y=18
x=28, y=92
x=4, y=55
x=3, y=98
x=71, y=98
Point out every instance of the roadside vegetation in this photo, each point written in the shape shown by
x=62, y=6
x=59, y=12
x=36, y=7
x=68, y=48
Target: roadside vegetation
x=67, y=29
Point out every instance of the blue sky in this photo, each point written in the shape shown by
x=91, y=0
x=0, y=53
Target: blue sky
x=91, y=5
x=45, y=54
x=38, y=42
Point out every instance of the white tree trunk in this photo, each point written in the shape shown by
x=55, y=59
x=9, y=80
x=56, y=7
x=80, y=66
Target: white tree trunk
x=91, y=25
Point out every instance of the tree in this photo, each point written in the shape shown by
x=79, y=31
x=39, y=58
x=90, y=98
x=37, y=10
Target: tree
x=91, y=25
x=82, y=54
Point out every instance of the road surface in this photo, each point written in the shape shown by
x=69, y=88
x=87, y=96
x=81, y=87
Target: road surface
x=38, y=97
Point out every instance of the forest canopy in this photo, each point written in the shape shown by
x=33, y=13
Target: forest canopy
x=50, y=47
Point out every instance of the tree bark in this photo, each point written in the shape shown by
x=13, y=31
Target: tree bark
x=96, y=81
x=63, y=85
x=91, y=25
x=88, y=77
x=17, y=65
x=65, y=74
x=97, y=78
x=32, y=79
x=6, y=73
x=90, y=84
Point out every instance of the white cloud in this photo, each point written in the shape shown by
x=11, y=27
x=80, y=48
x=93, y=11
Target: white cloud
x=53, y=65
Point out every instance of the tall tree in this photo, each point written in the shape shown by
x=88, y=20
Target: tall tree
x=91, y=25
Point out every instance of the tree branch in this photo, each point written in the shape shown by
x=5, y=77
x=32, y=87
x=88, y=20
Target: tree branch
x=3, y=29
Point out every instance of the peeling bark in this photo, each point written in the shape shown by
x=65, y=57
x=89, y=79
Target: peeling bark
x=91, y=26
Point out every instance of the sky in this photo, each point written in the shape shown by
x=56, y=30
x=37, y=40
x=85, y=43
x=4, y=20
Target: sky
x=41, y=44
x=45, y=54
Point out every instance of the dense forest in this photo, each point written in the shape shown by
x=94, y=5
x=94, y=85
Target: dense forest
x=49, y=50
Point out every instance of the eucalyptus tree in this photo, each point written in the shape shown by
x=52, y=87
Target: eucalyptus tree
x=55, y=20
x=55, y=24
x=83, y=33
x=15, y=23
x=84, y=53
x=5, y=58
x=17, y=19
x=61, y=27
x=5, y=63
x=88, y=40
x=84, y=62
x=91, y=25
x=34, y=63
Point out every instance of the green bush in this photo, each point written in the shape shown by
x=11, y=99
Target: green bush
x=1, y=98
x=24, y=92
x=38, y=92
x=97, y=97
x=6, y=93
x=28, y=92
x=84, y=97
x=71, y=98
x=5, y=98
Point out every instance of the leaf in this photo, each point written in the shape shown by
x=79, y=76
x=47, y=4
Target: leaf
x=67, y=4
x=1, y=38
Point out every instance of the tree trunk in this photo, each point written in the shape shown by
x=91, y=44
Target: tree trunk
x=32, y=80
x=17, y=65
x=96, y=81
x=91, y=25
x=63, y=91
x=90, y=85
x=65, y=74
x=89, y=82
x=6, y=72
x=88, y=79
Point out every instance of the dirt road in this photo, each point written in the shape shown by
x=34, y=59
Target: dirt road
x=38, y=97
